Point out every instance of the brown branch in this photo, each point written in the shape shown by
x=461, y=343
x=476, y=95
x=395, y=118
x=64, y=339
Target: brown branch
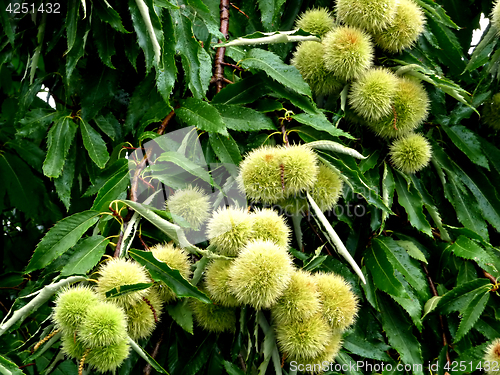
x=148, y=368
x=490, y=276
x=232, y=66
x=239, y=10
x=441, y=321
x=135, y=182
x=218, y=77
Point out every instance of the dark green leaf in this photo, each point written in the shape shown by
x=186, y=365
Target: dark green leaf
x=123, y=290
x=319, y=122
x=409, y=198
x=245, y=91
x=362, y=347
x=240, y=118
x=104, y=38
x=182, y=315
x=167, y=73
x=196, y=112
x=60, y=238
x=471, y=314
x=382, y=272
x=459, y=297
x=94, y=144
x=72, y=23
x=270, y=13
x=86, y=255
x=226, y=149
x=468, y=249
x=6, y=366
x=145, y=355
x=98, y=90
x=77, y=51
x=467, y=141
x=115, y=184
x=483, y=50
x=64, y=182
x=172, y=278
x=274, y=67
x=59, y=140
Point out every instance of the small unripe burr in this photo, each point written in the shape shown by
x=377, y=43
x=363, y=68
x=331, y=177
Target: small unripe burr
x=117, y=272
x=143, y=316
x=316, y=21
x=176, y=259
x=339, y=303
x=348, y=52
x=191, y=204
x=109, y=357
x=492, y=358
x=404, y=30
x=260, y=274
x=308, y=59
x=103, y=324
x=409, y=109
x=71, y=306
x=217, y=283
x=267, y=224
x=303, y=339
x=229, y=229
x=213, y=317
x=299, y=300
x=371, y=95
x=410, y=154
x=299, y=169
x=370, y=15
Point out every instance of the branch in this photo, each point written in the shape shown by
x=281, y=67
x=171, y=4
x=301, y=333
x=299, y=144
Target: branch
x=219, y=57
x=441, y=322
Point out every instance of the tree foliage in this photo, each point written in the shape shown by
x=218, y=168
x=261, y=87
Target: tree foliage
x=78, y=177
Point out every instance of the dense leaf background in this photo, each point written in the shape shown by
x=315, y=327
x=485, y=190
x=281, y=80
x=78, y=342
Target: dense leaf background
x=428, y=244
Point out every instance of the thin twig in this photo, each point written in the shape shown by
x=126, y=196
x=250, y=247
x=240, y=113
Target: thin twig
x=490, y=276
x=165, y=122
x=441, y=321
x=232, y=66
x=218, y=77
x=148, y=368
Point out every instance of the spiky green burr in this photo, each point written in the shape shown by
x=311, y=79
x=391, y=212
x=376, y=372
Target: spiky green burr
x=348, y=52
x=217, y=283
x=71, y=306
x=308, y=59
x=191, y=204
x=410, y=154
x=103, y=324
x=176, y=259
x=260, y=274
x=299, y=300
x=213, y=317
x=267, y=224
x=492, y=358
x=117, y=272
x=143, y=316
x=316, y=21
x=339, y=303
x=303, y=339
x=229, y=229
x=409, y=109
x=110, y=357
x=404, y=30
x=370, y=15
x=371, y=95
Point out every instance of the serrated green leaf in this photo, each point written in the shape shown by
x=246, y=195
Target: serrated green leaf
x=107, y=14
x=86, y=255
x=360, y=346
x=107, y=125
x=240, y=118
x=232, y=369
x=59, y=140
x=145, y=355
x=182, y=315
x=465, y=248
x=123, y=290
x=72, y=23
x=483, y=50
x=401, y=261
x=335, y=147
x=431, y=305
x=226, y=149
x=98, y=90
x=488, y=327
x=382, y=272
x=60, y=238
x=471, y=314
x=143, y=98
x=436, y=12
x=64, y=182
x=77, y=51
x=410, y=302
x=172, y=278
x=116, y=184
x=273, y=66
x=245, y=91
x=189, y=49
x=186, y=164
x=18, y=180
x=196, y=112
x=319, y=122
x=104, y=38
x=7, y=367
x=412, y=250
x=399, y=333
x=35, y=120
x=167, y=72
x=459, y=297
x=467, y=142
x=409, y=198
x=94, y=144
x=107, y=174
